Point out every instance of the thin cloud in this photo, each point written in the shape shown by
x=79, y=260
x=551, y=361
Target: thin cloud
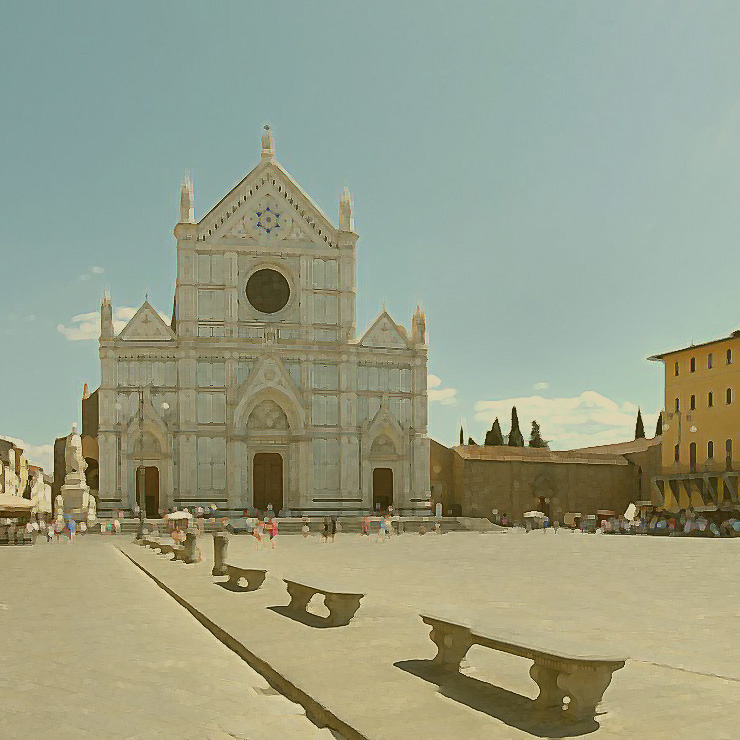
x=86, y=326
x=41, y=455
x=542, y=386
x=444, y=396
x=586, y=420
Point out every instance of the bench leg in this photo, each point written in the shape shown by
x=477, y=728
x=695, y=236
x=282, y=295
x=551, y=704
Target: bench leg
x=341, y=608
x=585, y=687
x=299, y=597
x=452, y=644
x=546, y=678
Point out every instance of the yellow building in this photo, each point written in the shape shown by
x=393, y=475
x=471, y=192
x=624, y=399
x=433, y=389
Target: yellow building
x=701, y=426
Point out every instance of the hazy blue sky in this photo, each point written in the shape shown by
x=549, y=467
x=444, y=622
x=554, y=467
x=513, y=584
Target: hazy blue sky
x=557, y=182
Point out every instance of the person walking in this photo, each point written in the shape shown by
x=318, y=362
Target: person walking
x=381, y=529
x=273, y=526
x=325, y=530
x=366, y=525
x=305, y=528
x=57, y=529
x=72, y=528
x=258, y=534
x=333, y=528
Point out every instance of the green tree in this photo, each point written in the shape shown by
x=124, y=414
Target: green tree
x=462, y=439
x=659, y=426
x=639, y=428
x=535, y=438
x=493, y=435
x=515, y=435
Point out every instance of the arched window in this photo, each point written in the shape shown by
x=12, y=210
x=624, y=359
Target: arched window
x=729, y=395
x=676, y=405
x=710, y=399
x=728, y=454
x=693, y=402
x=710, y=450
x=693, y=364
x=729, y=357
x=692, y=456
x=677, y=453
x=677, y=368
x=709, y=360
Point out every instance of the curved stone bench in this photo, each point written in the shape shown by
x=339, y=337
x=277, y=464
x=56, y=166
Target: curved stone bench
x=582, y=676
x=342, y=605
x=253, y=576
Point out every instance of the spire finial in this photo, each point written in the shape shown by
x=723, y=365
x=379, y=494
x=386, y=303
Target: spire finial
x=186, y=200
x=346, y=221
x=268, y=144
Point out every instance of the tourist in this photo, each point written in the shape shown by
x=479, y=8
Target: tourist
x=305, y=529
x=333, y=528
x=545, y=524
x=58, y=529
x=83, y=528
x=325, y=530
x=366, y=525
x=381, y=529
x=422, y=529
x=273, y=529
x=117, y=526
x=72, y=527
x=258, y=534
x=437, y=528
x=49, y=531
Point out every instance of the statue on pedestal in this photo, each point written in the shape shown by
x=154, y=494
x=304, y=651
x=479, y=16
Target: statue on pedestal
x=75, y=491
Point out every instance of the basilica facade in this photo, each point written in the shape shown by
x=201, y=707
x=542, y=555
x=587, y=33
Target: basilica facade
x=259, y=392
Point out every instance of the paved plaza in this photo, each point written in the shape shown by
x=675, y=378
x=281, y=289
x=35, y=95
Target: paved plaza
x=95, y=648
x=92, y=648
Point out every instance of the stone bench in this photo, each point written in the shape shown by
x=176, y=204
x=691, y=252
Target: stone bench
x=253, y=576
x=584, y=677
x=342, y=605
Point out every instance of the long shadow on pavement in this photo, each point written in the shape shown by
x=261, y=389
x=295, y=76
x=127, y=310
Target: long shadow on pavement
x=512, y=709
x=311, y=620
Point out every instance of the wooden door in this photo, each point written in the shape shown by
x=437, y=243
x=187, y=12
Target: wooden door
x=267, y=480
x=382, y=488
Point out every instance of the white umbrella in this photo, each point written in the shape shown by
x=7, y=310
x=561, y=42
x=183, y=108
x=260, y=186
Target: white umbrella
x=179, y=515
x=535, y=515
x=14, y=504
x=629, y=515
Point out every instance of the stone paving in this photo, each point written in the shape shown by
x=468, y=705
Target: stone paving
x=670, y=604
x=92, y=648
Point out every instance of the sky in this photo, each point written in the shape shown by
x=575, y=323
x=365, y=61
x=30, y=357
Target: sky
x=556, y=183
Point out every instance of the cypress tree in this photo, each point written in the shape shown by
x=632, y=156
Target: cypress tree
x=659, y=425
x=462, y=439
x=639, y=428
x=515, y=435
x=493, y=435
x=535, y=438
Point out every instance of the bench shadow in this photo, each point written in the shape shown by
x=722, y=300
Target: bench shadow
x=235, y=587
x=310, y=620
x=510, y=708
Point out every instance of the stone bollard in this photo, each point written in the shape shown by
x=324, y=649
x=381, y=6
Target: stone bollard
x=220, y=545
x=190, y=553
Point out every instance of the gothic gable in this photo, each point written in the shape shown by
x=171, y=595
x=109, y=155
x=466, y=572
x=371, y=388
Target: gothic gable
x=385, y=333
x=146, y=325
x=267, y=207
x=270, y=379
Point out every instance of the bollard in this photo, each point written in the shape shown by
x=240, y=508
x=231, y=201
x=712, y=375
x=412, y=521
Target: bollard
x=189, y=555
x=220, y=545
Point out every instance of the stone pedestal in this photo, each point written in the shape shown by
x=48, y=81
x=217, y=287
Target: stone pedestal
x=76, y=495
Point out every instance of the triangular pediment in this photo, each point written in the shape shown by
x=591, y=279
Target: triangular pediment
x=270, y=379
x=147, y=325
x=267, y=207
x=385, y=333
x=385, y=423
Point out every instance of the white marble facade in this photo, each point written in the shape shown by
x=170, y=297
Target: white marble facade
x=263, y=357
